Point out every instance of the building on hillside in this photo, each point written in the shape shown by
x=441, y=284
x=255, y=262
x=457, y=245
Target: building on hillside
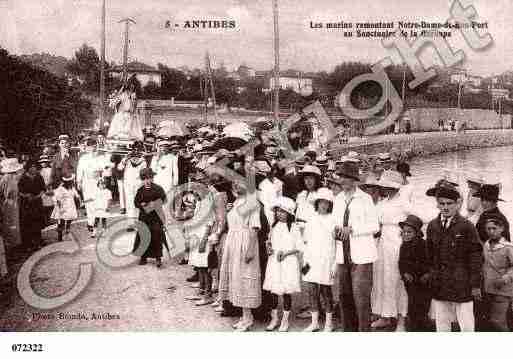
x=145, y=74
x=296, y=81
x=499, y=93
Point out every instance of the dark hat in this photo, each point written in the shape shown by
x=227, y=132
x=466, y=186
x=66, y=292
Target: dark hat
x=404, y=168
x=495, y=219
x=91, y=142
x=146, y=172
x=444, y=189
x=138, y=146
x=489, y=192
x=348, y=170
x=412, y=221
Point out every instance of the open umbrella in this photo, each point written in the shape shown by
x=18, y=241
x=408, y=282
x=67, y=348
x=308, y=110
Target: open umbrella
x=229, y=143
x=239, y=130
x=169, y=128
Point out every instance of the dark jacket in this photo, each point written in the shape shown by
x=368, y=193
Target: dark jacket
x=62, y=166
x=480, y=225
x=455, y=259
x=413, y=258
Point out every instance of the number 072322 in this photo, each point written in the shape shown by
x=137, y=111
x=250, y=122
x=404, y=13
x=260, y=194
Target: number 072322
x=27, y=347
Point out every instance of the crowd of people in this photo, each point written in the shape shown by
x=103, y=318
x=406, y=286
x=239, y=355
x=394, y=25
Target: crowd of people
x=343, y=232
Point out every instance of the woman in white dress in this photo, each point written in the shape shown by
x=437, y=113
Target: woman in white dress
x=319, y=258
x=240, y=275
x=269, y=189
x=390, y=300
x=282, y=276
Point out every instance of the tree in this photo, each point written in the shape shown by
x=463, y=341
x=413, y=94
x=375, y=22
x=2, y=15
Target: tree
x=36, y=103
x=86, y=65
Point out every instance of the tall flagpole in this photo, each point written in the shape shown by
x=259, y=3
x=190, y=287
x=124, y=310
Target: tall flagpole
x=127, y=22
x=102, y=69
x=276, y=63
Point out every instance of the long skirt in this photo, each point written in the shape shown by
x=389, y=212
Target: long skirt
x=389, y=297
x=240, y=282
x=157, y=239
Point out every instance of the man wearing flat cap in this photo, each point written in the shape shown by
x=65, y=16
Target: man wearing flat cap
x=455, y=261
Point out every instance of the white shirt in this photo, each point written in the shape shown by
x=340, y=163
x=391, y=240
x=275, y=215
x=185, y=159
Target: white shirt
x=363, y=220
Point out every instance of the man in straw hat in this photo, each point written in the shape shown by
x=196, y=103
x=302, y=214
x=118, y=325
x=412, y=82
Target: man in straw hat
x=64, y=162
x=165, y=165
x=130, y=168
x=356, y=248
x=455, y=258
x=474, y=207
x=90, y=167
x=489, y=195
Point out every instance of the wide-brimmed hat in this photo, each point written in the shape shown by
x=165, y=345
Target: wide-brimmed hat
x=68, y=177
x=285, y=203
x=489, y=192
x=370, y=181
x=444, y=189
x=476, y=179
x=44, y=159
x=310, y=170
x=412, y=221
x=404, y=168
x=391, y=179
x=495, y=218
x=63, y=137
x=348, y=170
x=262, y=167
x=325, y=194
x=10, y=165
x=384, y=157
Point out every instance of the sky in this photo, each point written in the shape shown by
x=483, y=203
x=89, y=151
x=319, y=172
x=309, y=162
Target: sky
x=60, y=27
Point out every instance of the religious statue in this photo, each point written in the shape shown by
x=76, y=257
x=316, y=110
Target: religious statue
x=125, y=125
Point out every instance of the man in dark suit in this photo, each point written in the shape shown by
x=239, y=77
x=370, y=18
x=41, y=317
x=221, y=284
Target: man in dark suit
x=63, y=162
x=489, y=195
x=455, y=261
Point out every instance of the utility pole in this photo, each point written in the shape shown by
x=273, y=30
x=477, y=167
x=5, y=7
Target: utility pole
x=404, y=82
x=211, y=81
x=102, y=69
x=127, y=22
x=276, y=63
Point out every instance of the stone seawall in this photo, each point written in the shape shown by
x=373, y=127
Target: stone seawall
x=430, y=143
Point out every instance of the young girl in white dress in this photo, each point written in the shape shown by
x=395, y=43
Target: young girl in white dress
x=101, y=206
x=319, y=258
x=282, y=276
x=65, y=210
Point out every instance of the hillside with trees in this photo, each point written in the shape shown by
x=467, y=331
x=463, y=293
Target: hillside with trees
x=37, y=104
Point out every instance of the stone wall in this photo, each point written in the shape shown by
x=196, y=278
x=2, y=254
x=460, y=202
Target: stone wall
x=431, y=143
x=426, y=119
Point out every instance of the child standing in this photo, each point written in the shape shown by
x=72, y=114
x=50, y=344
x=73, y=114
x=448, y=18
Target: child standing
x=282, y=274
x=413, y=268
x=65, y=210
x=101, y=207
x=498, y=273
x=319, y=258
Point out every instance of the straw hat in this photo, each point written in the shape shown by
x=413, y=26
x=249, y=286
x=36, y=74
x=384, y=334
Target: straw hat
x=489, y=192
x=391, y=179
x=370, y=181
x=10, y=165
x=310, y=170
x=349, y=170
x=44, y=159
x=285, y=203
x=325, y=194
x=384, y=157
